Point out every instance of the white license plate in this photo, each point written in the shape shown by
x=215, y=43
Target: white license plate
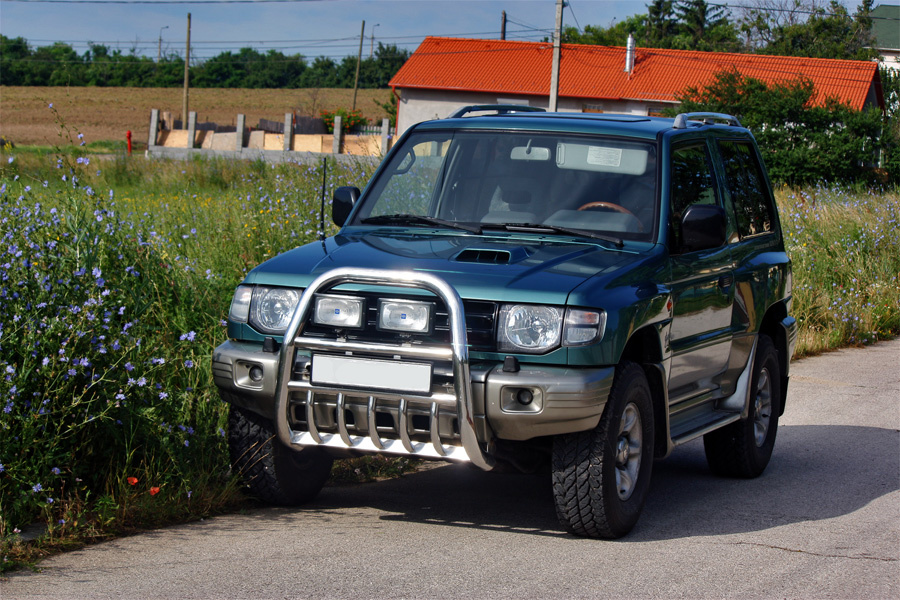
x=370, y=373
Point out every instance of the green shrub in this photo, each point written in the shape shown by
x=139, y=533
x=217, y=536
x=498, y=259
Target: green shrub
x=351, y=120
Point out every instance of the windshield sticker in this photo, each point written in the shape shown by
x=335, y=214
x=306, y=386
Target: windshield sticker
x=606, y=157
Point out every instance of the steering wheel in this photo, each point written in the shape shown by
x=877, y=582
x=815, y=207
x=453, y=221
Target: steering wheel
x=609, y=205
x=614, y=207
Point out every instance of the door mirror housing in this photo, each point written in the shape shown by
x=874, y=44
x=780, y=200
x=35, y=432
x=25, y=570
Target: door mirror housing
x=702, y=227
x=343, y=201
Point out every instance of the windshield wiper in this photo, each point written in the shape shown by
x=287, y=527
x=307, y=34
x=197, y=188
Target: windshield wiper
x=541, y=228
x=401, y=219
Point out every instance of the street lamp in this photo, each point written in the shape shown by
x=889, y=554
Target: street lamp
x=159, y=46
x=372, y=47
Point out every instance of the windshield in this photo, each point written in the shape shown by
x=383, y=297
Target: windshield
x=491, y=179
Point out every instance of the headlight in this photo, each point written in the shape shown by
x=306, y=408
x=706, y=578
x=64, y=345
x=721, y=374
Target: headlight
x=583, y=327
x=272, y=308
x=240, y=304
x=529, y=329
x=339, y=311
x=404, y=316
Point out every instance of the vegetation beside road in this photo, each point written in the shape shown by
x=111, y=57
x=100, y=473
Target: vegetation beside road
x=115, y=276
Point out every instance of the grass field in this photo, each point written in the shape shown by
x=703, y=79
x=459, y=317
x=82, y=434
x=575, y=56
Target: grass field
x=115, y=276
x=103, y=114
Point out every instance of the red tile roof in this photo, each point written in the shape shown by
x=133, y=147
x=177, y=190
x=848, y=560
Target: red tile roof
x=597, y=72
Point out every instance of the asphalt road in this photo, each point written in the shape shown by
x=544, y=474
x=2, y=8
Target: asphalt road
x=822, y=522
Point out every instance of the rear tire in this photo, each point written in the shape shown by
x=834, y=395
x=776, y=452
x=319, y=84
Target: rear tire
x=743, y=449
x=274, y=473
x=601, y=477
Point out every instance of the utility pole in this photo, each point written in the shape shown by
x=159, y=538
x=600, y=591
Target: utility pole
x=554, y=73
x=372, y=47
x=159, y=47
x=187, y=64
x=503, y=25
x=362, y=33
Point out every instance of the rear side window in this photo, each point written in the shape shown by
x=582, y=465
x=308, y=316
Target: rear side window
x=752, y=201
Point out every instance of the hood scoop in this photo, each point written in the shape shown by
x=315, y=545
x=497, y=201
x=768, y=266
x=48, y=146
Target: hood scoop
x=491, y=256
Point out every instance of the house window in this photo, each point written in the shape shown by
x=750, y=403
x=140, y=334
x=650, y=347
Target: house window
x=592, y=108
x=655, y=111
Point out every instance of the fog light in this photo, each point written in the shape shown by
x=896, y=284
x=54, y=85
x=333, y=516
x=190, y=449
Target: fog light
x=256, y=374
x=524, y=397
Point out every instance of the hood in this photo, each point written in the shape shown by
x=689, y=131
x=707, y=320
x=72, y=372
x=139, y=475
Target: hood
x=534, y=268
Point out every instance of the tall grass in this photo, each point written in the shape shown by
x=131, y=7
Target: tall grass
x=845, y=248
x=115, y=276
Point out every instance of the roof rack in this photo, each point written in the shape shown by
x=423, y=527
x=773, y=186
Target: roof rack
x=500, y=109
x=705, y=118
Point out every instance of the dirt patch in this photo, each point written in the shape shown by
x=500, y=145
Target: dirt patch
x=107, y=113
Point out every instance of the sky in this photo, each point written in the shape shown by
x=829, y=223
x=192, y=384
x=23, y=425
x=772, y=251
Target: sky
x=308, y=27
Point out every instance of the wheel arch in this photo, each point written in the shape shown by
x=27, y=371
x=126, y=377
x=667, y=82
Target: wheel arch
x=772, y=326
x=645, y=348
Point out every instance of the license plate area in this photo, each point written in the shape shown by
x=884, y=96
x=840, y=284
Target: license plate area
x=371, y=374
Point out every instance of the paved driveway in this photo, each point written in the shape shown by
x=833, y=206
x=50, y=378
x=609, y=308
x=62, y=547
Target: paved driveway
x=822, y=522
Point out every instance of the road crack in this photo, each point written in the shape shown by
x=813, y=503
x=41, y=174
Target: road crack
x=819, y=554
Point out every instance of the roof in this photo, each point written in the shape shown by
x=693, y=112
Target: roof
x=885, y=26
x=597, y=72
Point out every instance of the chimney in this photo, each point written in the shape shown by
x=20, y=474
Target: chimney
x=629, y=54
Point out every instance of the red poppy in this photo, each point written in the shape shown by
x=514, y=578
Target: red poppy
x=154, y=491
x=132, y=480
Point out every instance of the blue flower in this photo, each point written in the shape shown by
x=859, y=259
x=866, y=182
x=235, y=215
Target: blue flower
x=36, y=488
x=189, y=364
x=55, y=470
x=189, y=336
x=163, y=395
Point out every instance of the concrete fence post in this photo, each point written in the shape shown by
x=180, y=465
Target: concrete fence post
x=288, y=131
x=336, y=146
x=192, y=128
x=385, y=135
x=154, y=127
x=239, y=141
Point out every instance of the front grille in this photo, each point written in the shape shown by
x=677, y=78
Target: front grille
x=481, y=319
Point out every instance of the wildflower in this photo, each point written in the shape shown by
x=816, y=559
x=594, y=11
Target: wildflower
x=51, y=105
x=2, y=468
x=189, y=336
x=11, y=159
x=154, y=491
x=36, y=488
x=129, y=367
x=189, y=364
x=189, y=494
x=62, y=521
x=132, y=480
x=55, y=470
x=49, y=500
x=163, y=395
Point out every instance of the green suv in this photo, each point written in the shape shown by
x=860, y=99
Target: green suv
x=574, y=292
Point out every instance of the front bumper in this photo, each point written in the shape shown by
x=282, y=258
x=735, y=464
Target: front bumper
x=458, y=417
x=565, y=400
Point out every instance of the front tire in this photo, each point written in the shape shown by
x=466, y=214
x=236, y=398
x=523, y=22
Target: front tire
x=601, y=477
x=743, y=449
x=274, y=473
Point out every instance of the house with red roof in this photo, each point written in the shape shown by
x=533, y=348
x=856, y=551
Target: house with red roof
x=445, y=74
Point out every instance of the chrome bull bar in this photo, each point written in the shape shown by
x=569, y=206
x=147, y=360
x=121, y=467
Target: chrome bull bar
x=457, y=353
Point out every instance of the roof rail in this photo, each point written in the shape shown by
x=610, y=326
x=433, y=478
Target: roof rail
x=500, y=109
x=705, y=118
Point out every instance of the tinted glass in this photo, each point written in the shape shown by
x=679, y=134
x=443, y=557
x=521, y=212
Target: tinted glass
x=593, y=184
x=748, y=189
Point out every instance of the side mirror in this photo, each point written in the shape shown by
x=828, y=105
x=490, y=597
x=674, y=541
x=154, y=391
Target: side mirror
x=343, y=201
x=702, y=227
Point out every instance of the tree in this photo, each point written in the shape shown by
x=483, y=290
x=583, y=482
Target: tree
x=704, y=26
x=803, y=140
x=614, y=35
x=661, y=23
x=833, y=34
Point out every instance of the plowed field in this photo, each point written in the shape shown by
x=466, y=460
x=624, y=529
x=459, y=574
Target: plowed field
x=107, y=113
